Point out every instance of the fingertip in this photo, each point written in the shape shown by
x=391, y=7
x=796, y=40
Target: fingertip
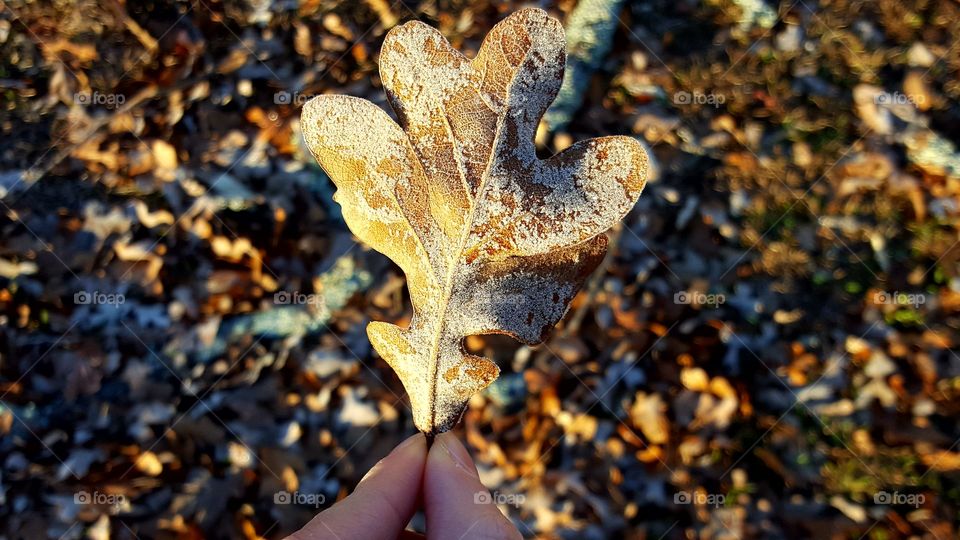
x=399, y=474
x=448, y=452
x=415, y=445
x=457, y=504
x=383, y=501
x=414, y=448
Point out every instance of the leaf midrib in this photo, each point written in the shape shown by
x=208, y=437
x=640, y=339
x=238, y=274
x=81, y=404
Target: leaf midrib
x=455, y=262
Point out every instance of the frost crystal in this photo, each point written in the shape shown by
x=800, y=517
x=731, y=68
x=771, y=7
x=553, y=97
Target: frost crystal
x=491, y=239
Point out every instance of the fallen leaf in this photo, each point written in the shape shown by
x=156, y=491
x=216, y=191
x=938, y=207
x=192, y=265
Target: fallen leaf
x=149, y=464
x=165, y=154
x=492, y=239
x=647, y=413
x=942, y=460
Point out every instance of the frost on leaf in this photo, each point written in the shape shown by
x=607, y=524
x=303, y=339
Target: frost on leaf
x=492, y=239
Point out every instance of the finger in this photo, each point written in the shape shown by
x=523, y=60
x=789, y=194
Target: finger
x=456, y=502
x=383, y=502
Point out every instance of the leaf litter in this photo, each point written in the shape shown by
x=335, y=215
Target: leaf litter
x=818, y=199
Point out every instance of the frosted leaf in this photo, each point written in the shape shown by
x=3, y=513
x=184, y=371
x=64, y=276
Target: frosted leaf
x=491, y=238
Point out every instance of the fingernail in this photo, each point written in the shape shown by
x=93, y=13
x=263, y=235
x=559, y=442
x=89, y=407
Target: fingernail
x=458, y=454
x=409, y=442
x=372, y=471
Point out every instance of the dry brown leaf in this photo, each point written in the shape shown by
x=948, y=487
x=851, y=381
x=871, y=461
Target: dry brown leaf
x=149, y=464
x=492, y=239
x=941, y=460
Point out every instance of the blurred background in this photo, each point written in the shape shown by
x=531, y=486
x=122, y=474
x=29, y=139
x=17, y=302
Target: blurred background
x=770, y=350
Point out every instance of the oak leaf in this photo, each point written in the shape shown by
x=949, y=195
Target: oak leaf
x=492, y=239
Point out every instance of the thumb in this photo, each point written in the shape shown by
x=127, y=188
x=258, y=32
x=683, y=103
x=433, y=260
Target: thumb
x=457, y=504
x=381, y=505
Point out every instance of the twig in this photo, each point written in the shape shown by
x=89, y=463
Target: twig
x=382, y=9
x=145, y=38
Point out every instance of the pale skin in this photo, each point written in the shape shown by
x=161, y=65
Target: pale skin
x=443, y=481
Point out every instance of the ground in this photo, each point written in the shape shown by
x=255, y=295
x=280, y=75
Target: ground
x=770, y=350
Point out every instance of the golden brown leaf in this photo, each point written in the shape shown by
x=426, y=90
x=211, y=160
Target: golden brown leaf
x=491, y=238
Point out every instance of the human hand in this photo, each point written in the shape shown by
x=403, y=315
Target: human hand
x=444, y=480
